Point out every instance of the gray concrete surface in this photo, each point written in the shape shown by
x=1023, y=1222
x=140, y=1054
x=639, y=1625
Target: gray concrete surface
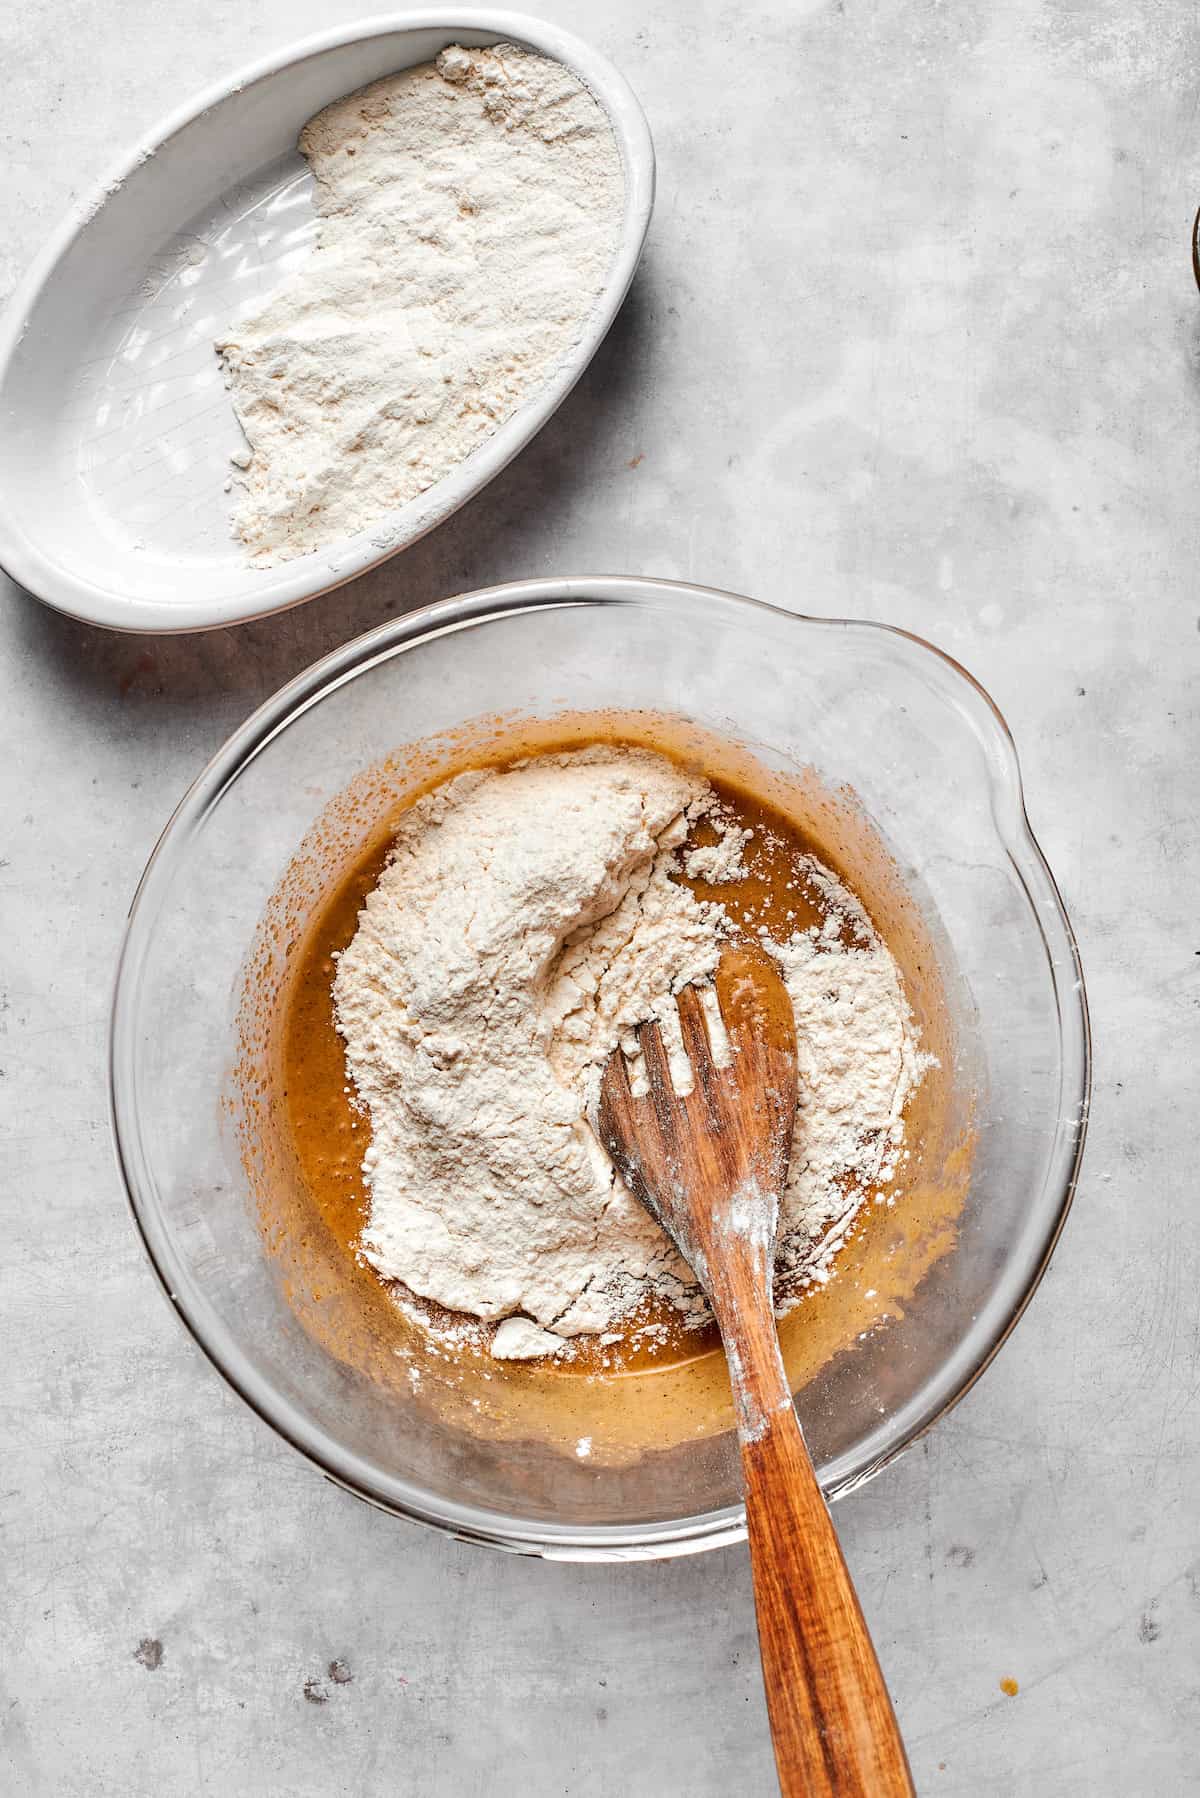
x=915, y=338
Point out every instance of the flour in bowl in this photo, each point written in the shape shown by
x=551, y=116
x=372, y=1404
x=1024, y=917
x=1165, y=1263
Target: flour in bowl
x=468, y=212
x=526, y=920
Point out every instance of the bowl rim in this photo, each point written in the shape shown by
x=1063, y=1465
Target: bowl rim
x=26, y=557
x=396, y=637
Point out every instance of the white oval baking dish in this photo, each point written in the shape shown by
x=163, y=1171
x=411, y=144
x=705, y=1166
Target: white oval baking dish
x=115, y=427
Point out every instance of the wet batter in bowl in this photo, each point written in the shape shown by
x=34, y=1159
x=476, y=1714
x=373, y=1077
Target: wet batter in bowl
x=444, y=1039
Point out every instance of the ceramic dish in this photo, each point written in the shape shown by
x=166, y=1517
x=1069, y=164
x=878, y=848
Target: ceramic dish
x=934, y=767
x=115, y=427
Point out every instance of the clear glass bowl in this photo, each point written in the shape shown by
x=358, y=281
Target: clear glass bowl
x=932, y=762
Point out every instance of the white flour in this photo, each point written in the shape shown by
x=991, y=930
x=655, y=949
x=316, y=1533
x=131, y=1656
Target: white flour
x=468, y=213
x=524, y=923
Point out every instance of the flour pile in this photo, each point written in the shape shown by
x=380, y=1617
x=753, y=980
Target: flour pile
x=468, y=213
x=525, y=921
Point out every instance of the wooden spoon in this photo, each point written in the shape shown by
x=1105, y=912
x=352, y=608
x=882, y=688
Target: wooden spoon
x=710, y=1167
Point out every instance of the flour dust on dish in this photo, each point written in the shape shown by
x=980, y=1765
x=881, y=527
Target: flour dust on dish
x=468, y=212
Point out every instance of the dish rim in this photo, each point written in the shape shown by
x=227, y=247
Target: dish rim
x=396, y=637
x=25, y=557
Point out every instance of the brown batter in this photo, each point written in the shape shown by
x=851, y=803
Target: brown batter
x=330, y=1134
x=304, y=1141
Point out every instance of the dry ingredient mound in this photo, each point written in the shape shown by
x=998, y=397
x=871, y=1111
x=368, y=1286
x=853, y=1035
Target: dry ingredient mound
x=468, y=211
x=525, y=921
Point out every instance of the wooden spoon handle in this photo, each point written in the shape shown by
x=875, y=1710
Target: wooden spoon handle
x=832, y=1722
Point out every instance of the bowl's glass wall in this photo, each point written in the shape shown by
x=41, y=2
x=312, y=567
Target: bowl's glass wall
x=865, y=706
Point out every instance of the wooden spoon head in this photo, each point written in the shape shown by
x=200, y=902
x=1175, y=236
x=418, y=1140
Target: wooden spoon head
x=710, y=1164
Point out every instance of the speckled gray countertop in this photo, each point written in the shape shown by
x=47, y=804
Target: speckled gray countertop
x=915, y=338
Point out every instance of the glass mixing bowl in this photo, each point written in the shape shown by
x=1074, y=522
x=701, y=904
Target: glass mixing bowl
x=930, y=759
